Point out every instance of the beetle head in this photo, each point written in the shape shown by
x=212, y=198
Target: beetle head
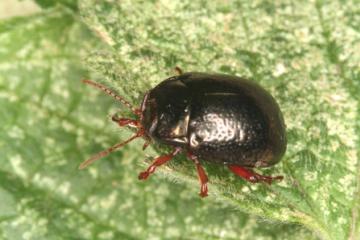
x=165, y=116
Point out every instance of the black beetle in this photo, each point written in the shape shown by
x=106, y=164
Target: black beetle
x=216, y=118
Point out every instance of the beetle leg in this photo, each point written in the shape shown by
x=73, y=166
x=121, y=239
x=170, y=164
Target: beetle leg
x=202, y=176
x=252, y=176
x=158, y=162
x=126, y=122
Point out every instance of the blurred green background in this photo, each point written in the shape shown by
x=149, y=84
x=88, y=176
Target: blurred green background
x=306, y=53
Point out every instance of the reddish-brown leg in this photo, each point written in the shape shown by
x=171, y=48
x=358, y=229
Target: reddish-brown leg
x=252, y=176
x=126, y=122
x=158, y=162
x=202, y=176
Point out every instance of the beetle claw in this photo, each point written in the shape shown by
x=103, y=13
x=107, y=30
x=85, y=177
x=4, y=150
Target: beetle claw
x=158, y=162
x=202, y=194
x=144, y=175
x=204, y=190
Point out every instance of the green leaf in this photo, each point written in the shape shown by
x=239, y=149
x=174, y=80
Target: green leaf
x=72, y=4
x=304, y=53
x=50, y=123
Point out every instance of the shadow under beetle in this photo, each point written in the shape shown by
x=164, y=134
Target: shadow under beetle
x=216, y=118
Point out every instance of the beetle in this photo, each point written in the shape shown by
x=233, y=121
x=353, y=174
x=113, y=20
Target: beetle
x=220, y=119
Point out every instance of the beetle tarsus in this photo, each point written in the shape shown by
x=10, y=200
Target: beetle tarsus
x=203, y=179
x=252, y=176
x=158, y=162
x=144, y=175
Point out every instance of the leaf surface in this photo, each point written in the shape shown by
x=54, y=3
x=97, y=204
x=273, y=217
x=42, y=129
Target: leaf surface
x=304, y=53
x=50, y=123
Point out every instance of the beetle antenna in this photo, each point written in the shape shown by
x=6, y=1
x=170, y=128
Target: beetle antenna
x=109, y=92
x=108, y=151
